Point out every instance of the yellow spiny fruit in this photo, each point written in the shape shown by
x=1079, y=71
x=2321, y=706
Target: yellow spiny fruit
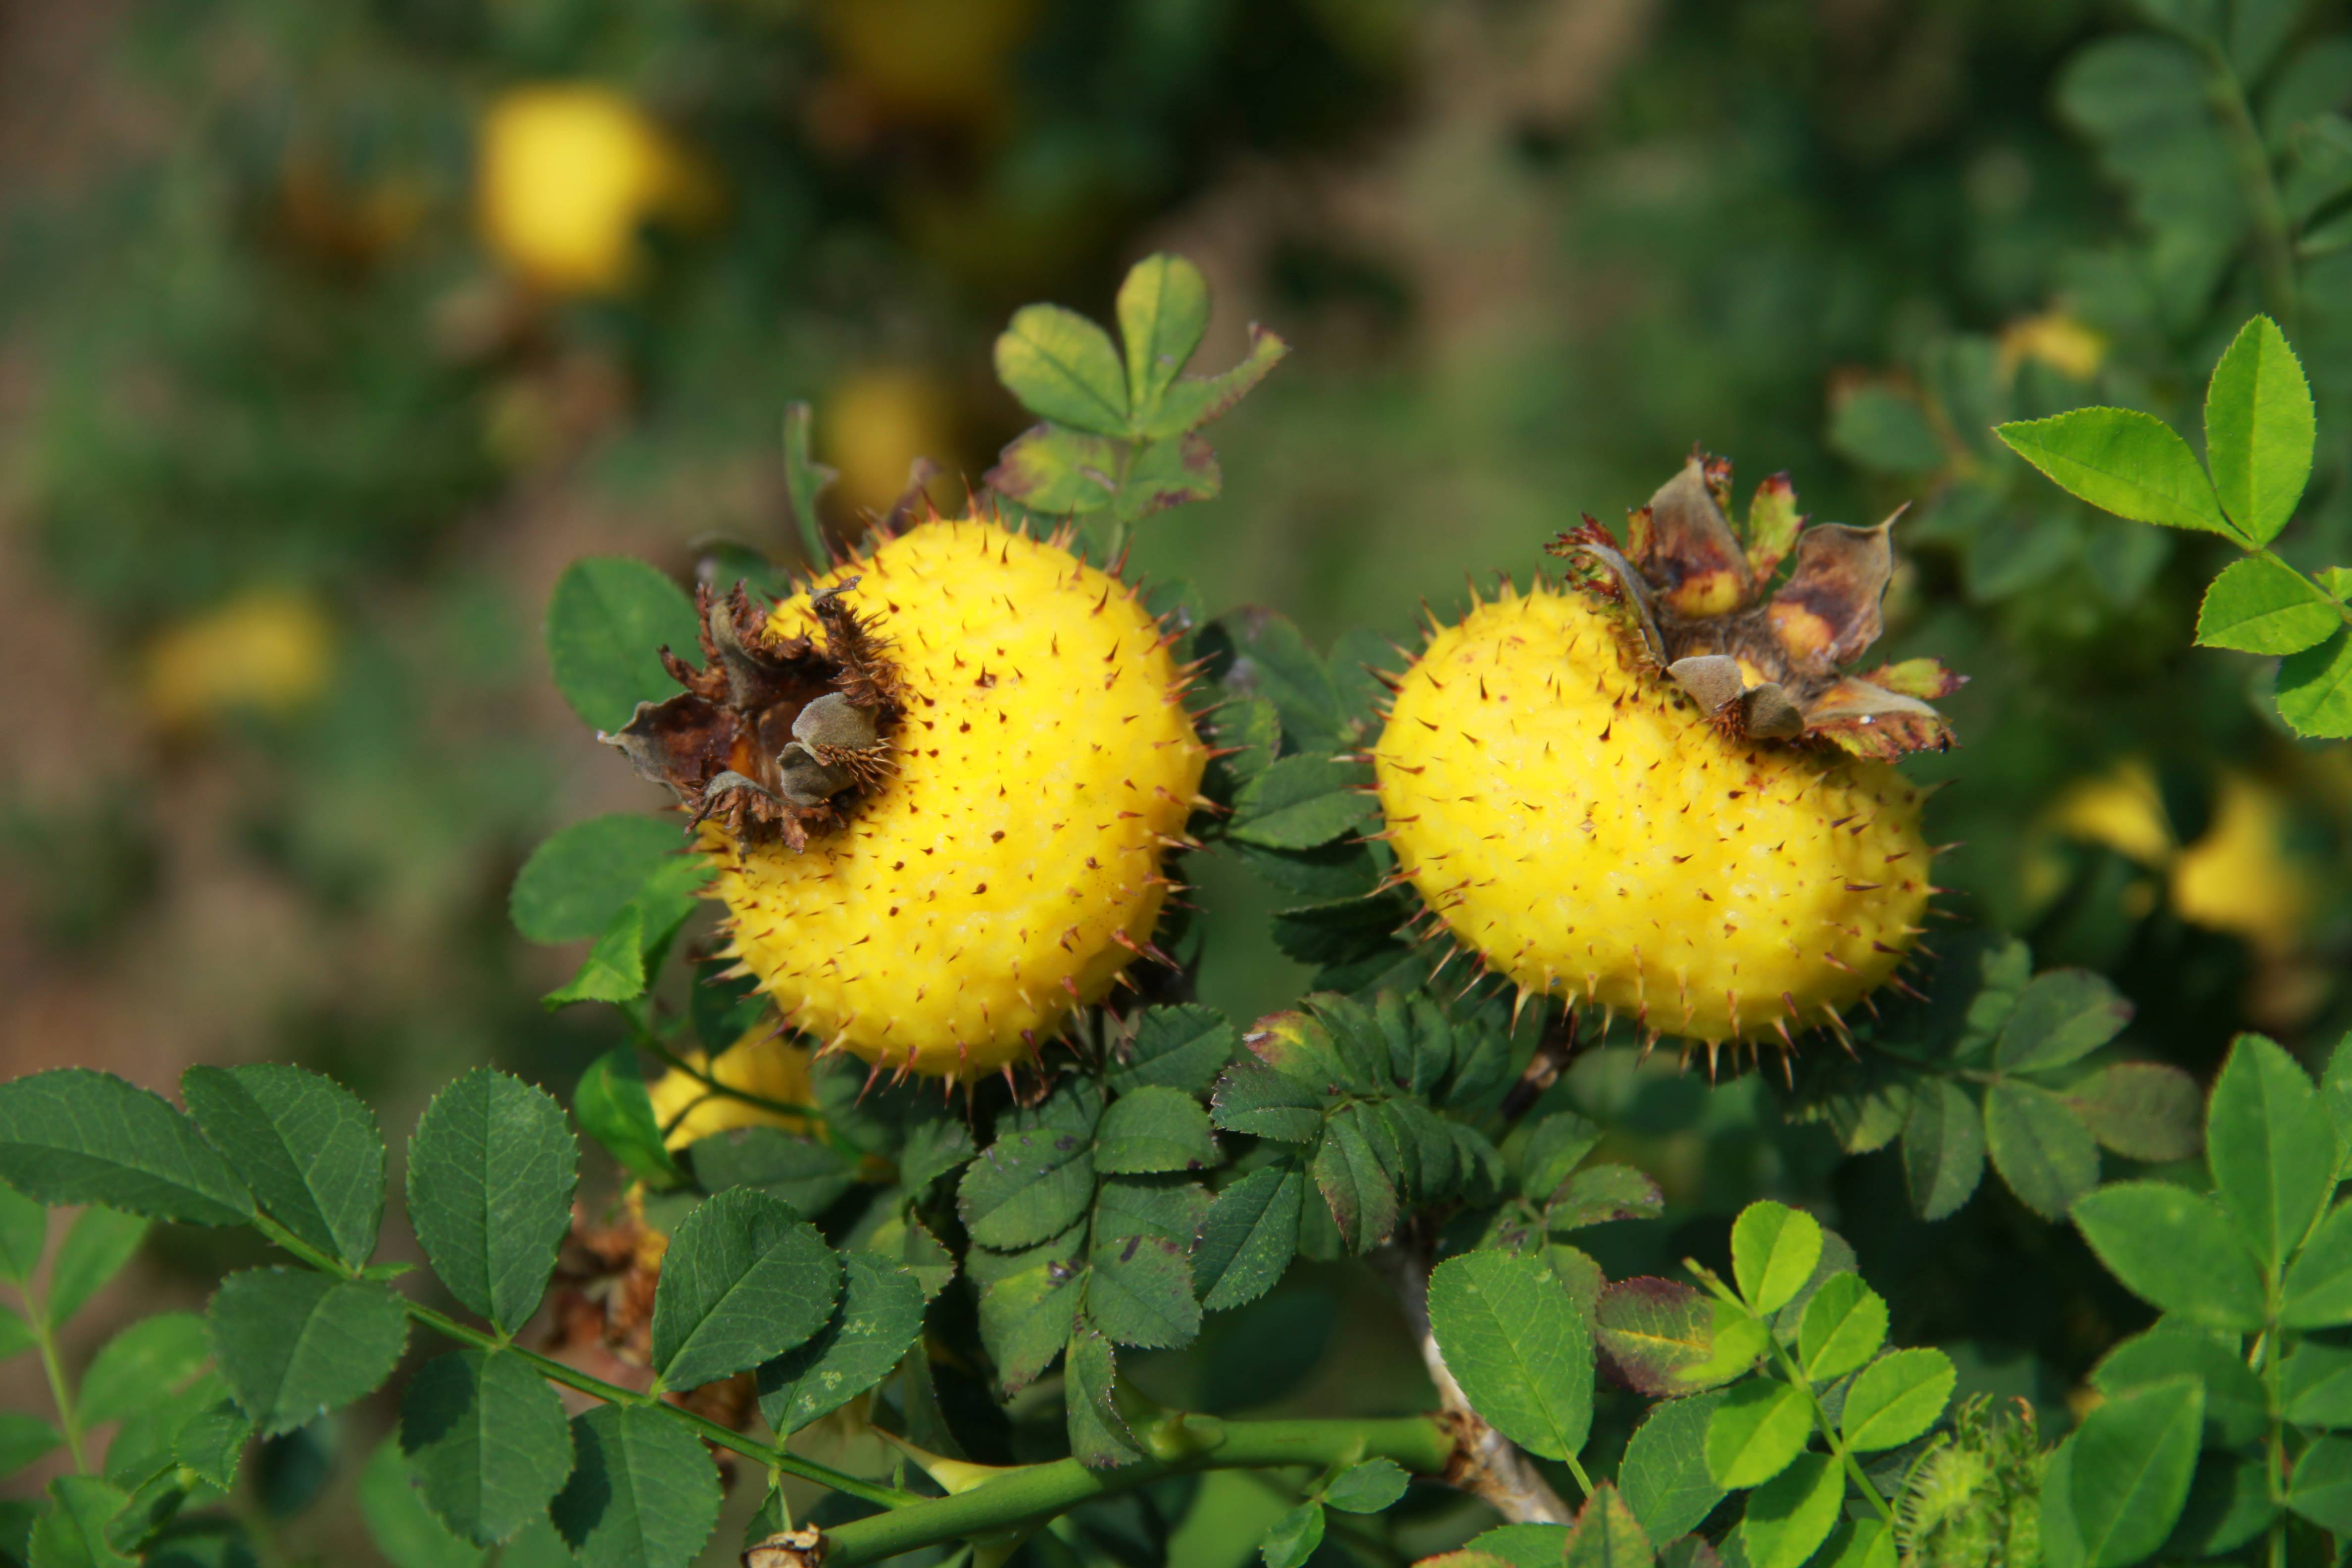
x=764, y=1063
x=1573, y=818
x=1009, y=868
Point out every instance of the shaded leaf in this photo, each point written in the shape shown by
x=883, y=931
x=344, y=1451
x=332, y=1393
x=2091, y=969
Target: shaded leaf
x=1027, y=1185
x=802, y=1171
x=2062, y=1015
x=877, y=1320
x=2047, y=1157
x=2321, y=1488
x=102, y=1242
x=1603, y=1194
x=1249, y=1237
x=486, y=1438
x=612, y=1108
x=490, y=1171
x=1139, y=1292
x=1300, y=802
x=307, y=1147
x=1943, y=1148
x=1100, y=1438
x=642, y=1492
x=2236, y=1410
x=2143, y=1110
x=153, y=1355
x=607, y=623
x=2317, y=1291
x=399, y=1524
x=1293, y=1538
x=1153, y=1129
x=1347, y=1171
x=1367, y=1488
x=1665, y=1473
x=75, y=1136
x=745, y=1279
x=1181, y=1048
x=295, y=1344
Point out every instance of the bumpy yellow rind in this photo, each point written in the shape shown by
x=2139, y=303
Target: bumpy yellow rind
x=773, y=1067
x=994, y=885
x=1575, y=821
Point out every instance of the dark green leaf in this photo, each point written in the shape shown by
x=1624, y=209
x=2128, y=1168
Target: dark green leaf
x=2316, y=1382
x=643, y=1492
x=1367, y=1488
x=73, y=1533
x=295, y=1344
x=398, y=1522
x=2062, y=1015
x=2259, y=430
x=2122, y=461
x=2048, y=1158
x=212, y=1441
x=803, y=1172
x=878, y=1318
x=24, y=1438
x=2143, y=1110
x=1300, y=802
x=1790, y=1515
x=1249, y=1237
x=1896, y=1398
x=487, y=1440
x=1154, y=1128
x=1063, y=367
x=1601, y=1193
x=2259, y=604
x=2175, y=1249
x=2272, y=1146
x=1662, y=1338
x=1167, y=1207
x=606, y=625
x=1254, y=1099
x=1347, y=1171
x=1758, y=1429
x=1178, y=1047
x=745, y=1279
x=1664, y=1474
x=2235, y=1403
x=1943, y=1148
x=613, y=1109
x=1271, y=660
x=1099, y=1438
x=75, y=1136
x=1554, y=1147
x=907, y=1243
x=490, y=1171
x=1139, y=1292
x=1026, y=1186
x=1519, y=1349
x=2321, y=1490
x=1883, y=430
x=102, y=1242
x=307, y=1147
x=2132, y=1460
x=2314, y=689
x=1294, y=1536
x=1773, y=1250
x=575, y=882
x=2229, y=1504
x=1027, y=1304
x=24, y=1234
x=1843, y=1326
x=2317, y=1292
x=153, y=1355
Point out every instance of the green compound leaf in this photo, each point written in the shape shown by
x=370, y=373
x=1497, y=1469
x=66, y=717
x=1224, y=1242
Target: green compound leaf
x=1249, y=1237
x=877, y=1320
x=212, y=1441
x=1270, y=660
x=98, y=1247
x=76, y=1136
x=2064, y=1015
x=1163, y=309
x=1790, y=1515
x=1293, y=1538
x=1601, y=1193
x=1368, y=1488
x=1139, y=1292
x=1194, y=400
x=2235, y=1409
x=1896, y=1398
x=2316, y=1384
x=487, y=1440
x=2317, y=1291
x=1773, y=1250
x=2314, y=689
x=294, y=1343
x=1943, y=1148
x=401, y=1528
x=2272, y=1146
x=1664, y=1472
x=576, y=881
x=1028, y=1302
x=745, y=1279
x=2174, y=1249
x=1843, y=1325
x=151, y=1356
x=613, y=1107
x=802, y=1171
x=1154, y=1128
x=606, y=625
x=1555, y=1146
x=1100, y=1438
x=1253, y=1098
x=1661, y=1337
x=2131, y=1462
x=2143, y=1110
x=1300, y=802
x=1760, y=1426
x=2320, y=1491
x=1182, y=1048
x=1859, y=1543
x=2260, y=605
x=2122, y=461
x=307, y=1147
x=642, y=1492
x=2258, y=429
x=1063, y=367
x=1026, y=1186
x=2046, y=1154
x=490, y=1171
x=1518, y=1346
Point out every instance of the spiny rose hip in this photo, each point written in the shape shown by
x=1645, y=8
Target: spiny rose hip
x=938, y=788
x=1640, y=792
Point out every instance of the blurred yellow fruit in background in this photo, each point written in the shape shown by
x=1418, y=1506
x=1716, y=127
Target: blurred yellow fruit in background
x=771, y=1065
x=875, y=422
x=266, y=651
x=568, y=175
x=2121, y=810
x=2057, y=340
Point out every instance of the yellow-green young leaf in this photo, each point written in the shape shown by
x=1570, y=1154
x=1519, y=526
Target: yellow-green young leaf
x=2272, y=1147
x=1194, y=400
x=2174, y=1249
x=1518, y=1346
x=745, y=1279
x=1843, y=1325
x=487, y=1439
x=1665, y=1471
x=2122, y=461
x=1773, y=1250
x=2258, y=429
x=2314, y=689
x=643, y=1494
x=295, y=1344
x=1754, y=1433
x=1063, y=367
x=2336, y=581
x=1790, y=1515
x=1163, y=309
x=606, y=625
x=1896, y=1398
x=2132, y=1460
x=2260, y=605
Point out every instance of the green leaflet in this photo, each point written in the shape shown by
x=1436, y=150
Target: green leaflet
x=606, y=624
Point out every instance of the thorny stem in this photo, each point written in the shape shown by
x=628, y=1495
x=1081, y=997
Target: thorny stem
x=709, y=1431
x=45, y=1339
x=2273, y=240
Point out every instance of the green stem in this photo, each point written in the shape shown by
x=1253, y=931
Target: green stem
x=1828, y=1428
x=1180, y=1445
x=653, y=1044
x=555, y=1371
x=2273, y=236
x=53, y=1365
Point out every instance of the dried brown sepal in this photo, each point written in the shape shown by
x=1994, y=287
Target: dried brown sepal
x=1684, y=546
x=773, y=732
x=1827, y=612
x=803, y=1547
